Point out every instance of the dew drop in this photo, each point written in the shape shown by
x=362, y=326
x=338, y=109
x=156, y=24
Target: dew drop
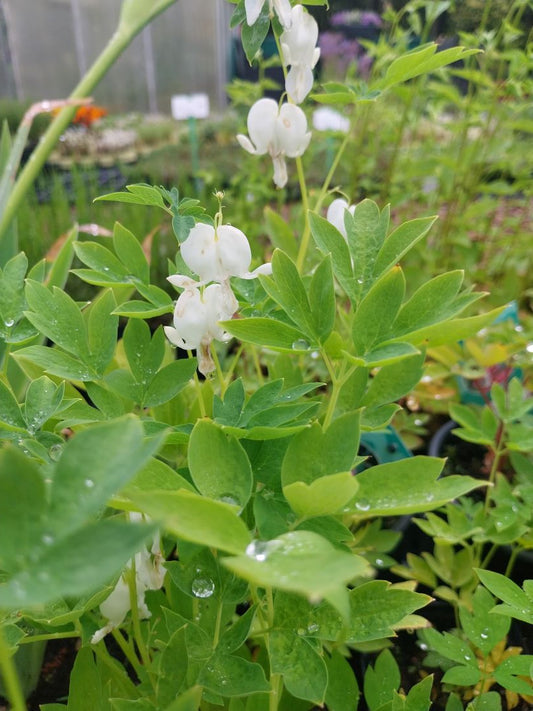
x=229, y=499
x=379, y=562
x=484, y=635
x=313, y=628
x=88, y=483
x=423, y=646
x=9, y=322
x=260, y=550
x=467, y=658
x=203, y=587
x=47, y=539
x=55, y=451
x=362, y=505
x=300, y=345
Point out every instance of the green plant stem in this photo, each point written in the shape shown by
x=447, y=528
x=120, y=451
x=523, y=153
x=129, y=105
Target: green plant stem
x=304, y=244
x=116, y=45
x=218, y=370
x=136, y=620
x=275, y=679
x=218, y=621
x=10, y=676
x=45, y=637
x=127, y=651
x=512, y=559
x=486, y=560
x=333, y=168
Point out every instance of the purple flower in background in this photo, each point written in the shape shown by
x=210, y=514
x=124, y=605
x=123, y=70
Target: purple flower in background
x=356, y=17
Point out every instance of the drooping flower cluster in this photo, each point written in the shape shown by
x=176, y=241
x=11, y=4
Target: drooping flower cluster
x=336, y=212
x=215, y=254
x=149, y=575
x=281, y=131
x=298, y=44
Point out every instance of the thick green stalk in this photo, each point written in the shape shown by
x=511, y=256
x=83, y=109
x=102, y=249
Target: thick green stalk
x=10, y=676
x=131, y=23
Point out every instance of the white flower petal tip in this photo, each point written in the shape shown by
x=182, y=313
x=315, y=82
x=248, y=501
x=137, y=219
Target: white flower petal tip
x=182, y=281
x=327, y=119
x=245, y=143
x=265, y=269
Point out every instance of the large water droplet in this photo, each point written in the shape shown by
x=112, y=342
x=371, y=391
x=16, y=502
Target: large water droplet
x=313, y=628
x=55, y=451
x=362, y=505
x=300, y=345
x=203, y=587
x=484, y=635
x=9, y=322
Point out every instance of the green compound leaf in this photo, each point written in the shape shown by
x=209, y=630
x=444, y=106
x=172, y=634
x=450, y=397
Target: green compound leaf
x=299, y=561
x=267, y=332
x=303, y=669
x=407, y=486
x=219, y=466
x=196, y=518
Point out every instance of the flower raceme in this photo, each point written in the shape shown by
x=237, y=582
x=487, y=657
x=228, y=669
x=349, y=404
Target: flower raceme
x=298, y=44
x=282, y=8
x=280, y=132
x=215, y=254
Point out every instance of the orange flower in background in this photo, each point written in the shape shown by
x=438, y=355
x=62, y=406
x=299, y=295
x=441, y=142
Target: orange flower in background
x=86, y=115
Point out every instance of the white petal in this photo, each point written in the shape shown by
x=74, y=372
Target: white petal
x=261, y=123
x=253, y=10
x=283, y=11
x=174, y=337
x=301, y=38
x=291, y=128
x=299, y=82
x=234, y=254
x=280, y=171
x=199, y=251
x=263, y=269
x=246, y=144
x=183, y=282
x=190, y=319
x=117, y=605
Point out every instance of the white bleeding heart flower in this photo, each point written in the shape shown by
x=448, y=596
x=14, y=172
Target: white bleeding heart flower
x=216, y=254
x=280, y=132
x=298, y=44
x=197, y=313
x=335, y=214
x=149, y=575
x=282, y=8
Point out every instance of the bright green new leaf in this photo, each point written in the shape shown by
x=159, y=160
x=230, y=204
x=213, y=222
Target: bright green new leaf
x=219, y=466
x=323, y=496
x=55, y=362
x=365, y=231
x=315, y=453
x=517, y=603
x=138, y=194
x=103, y=261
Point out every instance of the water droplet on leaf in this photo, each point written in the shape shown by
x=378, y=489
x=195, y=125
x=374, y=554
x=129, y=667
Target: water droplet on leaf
x=362, y=505
x=203, y=587
x=55, y=451
x=300, y=345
